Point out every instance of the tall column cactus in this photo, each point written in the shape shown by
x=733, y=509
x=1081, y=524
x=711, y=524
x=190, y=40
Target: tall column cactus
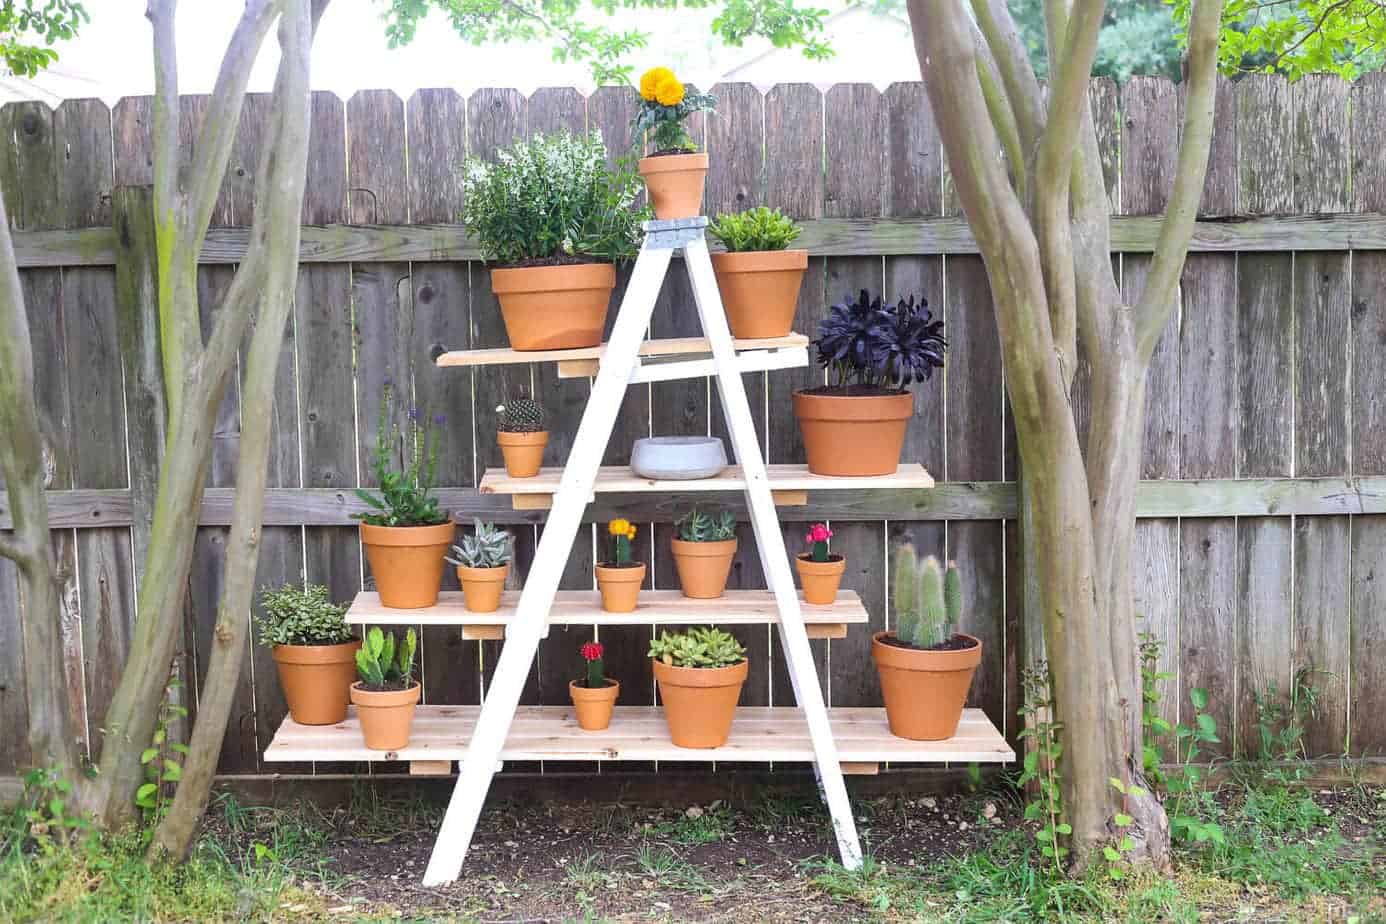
x=928, y=599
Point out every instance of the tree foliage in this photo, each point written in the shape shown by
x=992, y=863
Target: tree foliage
x=30, y=28
x=1298, y=37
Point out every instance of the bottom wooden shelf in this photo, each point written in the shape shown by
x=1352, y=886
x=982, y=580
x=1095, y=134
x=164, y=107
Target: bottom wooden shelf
x=760, y=733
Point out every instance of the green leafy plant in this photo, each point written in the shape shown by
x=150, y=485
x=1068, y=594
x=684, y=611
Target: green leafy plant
x=552, y=199
x=162, y=760
x=26, y=23
x=699, y=647
x=928, y=600
x=520, y=415
x=301, y=616
x=756, y=229
x=1280, y=721
x=382, y=666
x=49, y=817
x=1041, y=764
x=487, y=546
x=664, y=105
x=404, y=497
x=696, y=526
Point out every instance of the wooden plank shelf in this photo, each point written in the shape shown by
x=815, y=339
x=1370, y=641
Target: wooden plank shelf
x=583, y=362
x=760, y=733
x=583, y=608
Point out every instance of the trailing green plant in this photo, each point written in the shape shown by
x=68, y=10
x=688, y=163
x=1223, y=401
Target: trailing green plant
x=664, y=105
x=1041, y=764
x=487, y=546
x=928, y=599
x=163, y=759
x=757, y=229
x=520, y=415
x=381, y=665
x=698, y=647
x=552, y=199
x=817, y=537
x=404, y=463
x=696, y=526
x=301, y=616
x=595, y=674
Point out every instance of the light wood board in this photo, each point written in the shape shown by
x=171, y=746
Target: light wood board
x=678, y=346
x=616, y=479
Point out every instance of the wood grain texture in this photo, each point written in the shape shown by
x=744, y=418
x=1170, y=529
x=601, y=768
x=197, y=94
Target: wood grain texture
x=1208, y=622
x=1265, y=140
x=1149, y=144
x=855, y=177
x=1367, y=598
x=1105, y=100
x=1322, y=620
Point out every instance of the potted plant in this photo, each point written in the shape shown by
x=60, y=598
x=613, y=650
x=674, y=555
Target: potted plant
x=313, y=649
x=483, y=562
x=619, y=578
x=704, y=547
x=552, y=220
x=674, y=172
x=856, y=424
x=522, y=437
x=926, y=665
x=386, y=693
x=758, y=276
x=594, y=694
x=820, y=573
x=405, y=534
x=699, y=674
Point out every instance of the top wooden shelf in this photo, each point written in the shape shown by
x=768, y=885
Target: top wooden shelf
x=584, y=362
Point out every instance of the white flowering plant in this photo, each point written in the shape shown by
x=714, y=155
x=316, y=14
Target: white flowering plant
x=552, y=199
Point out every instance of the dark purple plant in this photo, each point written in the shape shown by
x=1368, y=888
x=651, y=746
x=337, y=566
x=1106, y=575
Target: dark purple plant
x=868, y=343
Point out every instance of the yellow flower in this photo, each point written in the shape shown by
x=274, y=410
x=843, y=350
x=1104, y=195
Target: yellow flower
x=669, y=92
x=619, y=527
x=630, y=533
x=651, y=81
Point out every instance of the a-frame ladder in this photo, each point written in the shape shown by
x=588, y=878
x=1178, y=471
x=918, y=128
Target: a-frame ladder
x=620, y=365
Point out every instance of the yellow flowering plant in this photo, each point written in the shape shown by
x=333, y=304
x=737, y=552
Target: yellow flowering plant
x=622, y=531
x=664, y=104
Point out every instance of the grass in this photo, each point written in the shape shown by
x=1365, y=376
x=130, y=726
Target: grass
x=698, y=825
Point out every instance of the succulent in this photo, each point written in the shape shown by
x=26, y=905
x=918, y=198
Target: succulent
x=868, y=343
x=486, y=547
x=302, y=616
x=380, y=664
x=596, y=671
x=817, y=537
x=706, y=647
x=404, y=497
x=928, y=599
x=756, y=229
x=521, y=415
x=622, y=531
x=696, y=526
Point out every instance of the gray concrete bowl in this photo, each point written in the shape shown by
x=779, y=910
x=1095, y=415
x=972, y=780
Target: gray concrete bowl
x=678, y=458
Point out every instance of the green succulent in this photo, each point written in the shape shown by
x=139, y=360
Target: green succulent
x=696, y=526
x=487, y=547
x=706, y=647
x=756, y=229
x=928, y=599
x=521, y=415
x=301, y=616
x=379, y=663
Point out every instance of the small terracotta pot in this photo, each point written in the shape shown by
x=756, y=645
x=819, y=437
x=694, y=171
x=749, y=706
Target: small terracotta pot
x=853, y=435
x=523, y=452
x=760, y=290
x=385, y=715
x=699, y=703
x=481, y=587
x=924, y=691
x=703, y=567
x=593, y=707
x=675, y=183
x=316, y=680
x=554, y=307
x=407, y=562
x=820, y=579
x=620, y=587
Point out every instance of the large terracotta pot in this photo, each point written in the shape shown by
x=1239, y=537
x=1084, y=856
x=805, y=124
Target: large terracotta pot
x=703, y=567
x=593, y=707
x=853, y=435
x=699, y=703
x=481, y=587
x=675, y=183
x=820, y=579
x=760, y=290
x=386, y=716
x=554, y=307
x=316, y=680
x=523, y=452
x=407, y=562
x=620, y=587
x=924, y=691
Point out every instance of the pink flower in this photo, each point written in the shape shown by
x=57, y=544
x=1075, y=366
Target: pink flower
x=818, y=532
x=592, y=651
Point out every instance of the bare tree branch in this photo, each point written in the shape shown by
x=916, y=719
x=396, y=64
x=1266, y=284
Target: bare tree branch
x=1002, y=116
x=1012, y=62
x=12, y=550
x=1095, y=285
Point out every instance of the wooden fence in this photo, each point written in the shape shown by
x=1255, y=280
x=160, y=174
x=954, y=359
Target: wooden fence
x=1262, y=548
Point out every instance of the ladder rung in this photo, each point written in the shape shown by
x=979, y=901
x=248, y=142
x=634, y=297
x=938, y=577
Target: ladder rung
x=754, y=361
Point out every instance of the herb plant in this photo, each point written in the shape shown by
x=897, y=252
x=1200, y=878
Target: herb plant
x=817, y=537
x=404, y=497
x=621, y=531
x=381, y=666
x=595, y=678
x=928, y=601
x=302, y=616
x=705, y=647
x=696, y=526
x=872, y=346
x=486, y=547
x=520, y=415
x=664, y=104
x=756, y=229
x=552, y=200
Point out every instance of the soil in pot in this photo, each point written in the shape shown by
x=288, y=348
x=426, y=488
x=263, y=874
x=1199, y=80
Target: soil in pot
x=407, y=562
x=620, y=585
x=925, y=689
x=593, y=706
x=386, y=714
x=316, y=680
x=760, y=290
x=481, y=587
x=675, y=180
x=703, y=567
x=523, y=452
x=548, y=307
x=853, y=431
x=699, y=703
x=820, y=579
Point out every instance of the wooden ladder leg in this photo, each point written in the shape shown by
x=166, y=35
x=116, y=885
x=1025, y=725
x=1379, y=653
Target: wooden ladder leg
x=531, y=615
x=770, y=541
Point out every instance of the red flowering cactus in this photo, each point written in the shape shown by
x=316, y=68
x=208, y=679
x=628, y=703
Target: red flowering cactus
x=592, y=654
x=817, y=538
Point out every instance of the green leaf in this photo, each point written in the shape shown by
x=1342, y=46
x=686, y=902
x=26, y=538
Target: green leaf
x=1199, y=697
x=172, y=771
x=1111, y=854
x=1122, y=820
x=148, y=754
x=1065, y=829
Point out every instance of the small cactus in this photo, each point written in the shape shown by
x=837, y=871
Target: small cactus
x=928, y=599
x=521, y=415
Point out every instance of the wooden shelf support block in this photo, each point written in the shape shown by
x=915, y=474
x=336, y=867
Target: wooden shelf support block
x=790, y=498
x=531, y=501
x=578, y=368
x=483, y=633
x=826, y=629
x=860, y=768
x=432, y=767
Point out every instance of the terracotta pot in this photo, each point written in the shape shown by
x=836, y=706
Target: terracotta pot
x=699, y=702
x=675, y=182
x=407, y=562
x=523, y=452
x=620, y=587
x=316, y=680
x=853, y=435
x=481, y=587
x=820, y=579
x=703, y=567
x=924, y=691
x=554, y=307
x=593, y=707
x=760, y=290
x=385, y=716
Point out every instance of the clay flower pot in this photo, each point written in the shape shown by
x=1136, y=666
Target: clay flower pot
x=699, y=702
x=407, y=562
x=760, y=290
x=523, y=452
x=481, y=587
x=924, y=691
x=820, y=579
x=385, y=715
x=675, y=183
x=853, y=434
x=593, y=707
x=316, y=680
x=554, y=307
x=620, y=587
x=703, y=567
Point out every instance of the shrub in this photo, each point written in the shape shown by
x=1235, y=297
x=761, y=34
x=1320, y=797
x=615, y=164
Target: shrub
x=706, y=647
x=486, y=547
x=755, y=230
x=302, y=616
x=868, y=344
x=696, y=526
